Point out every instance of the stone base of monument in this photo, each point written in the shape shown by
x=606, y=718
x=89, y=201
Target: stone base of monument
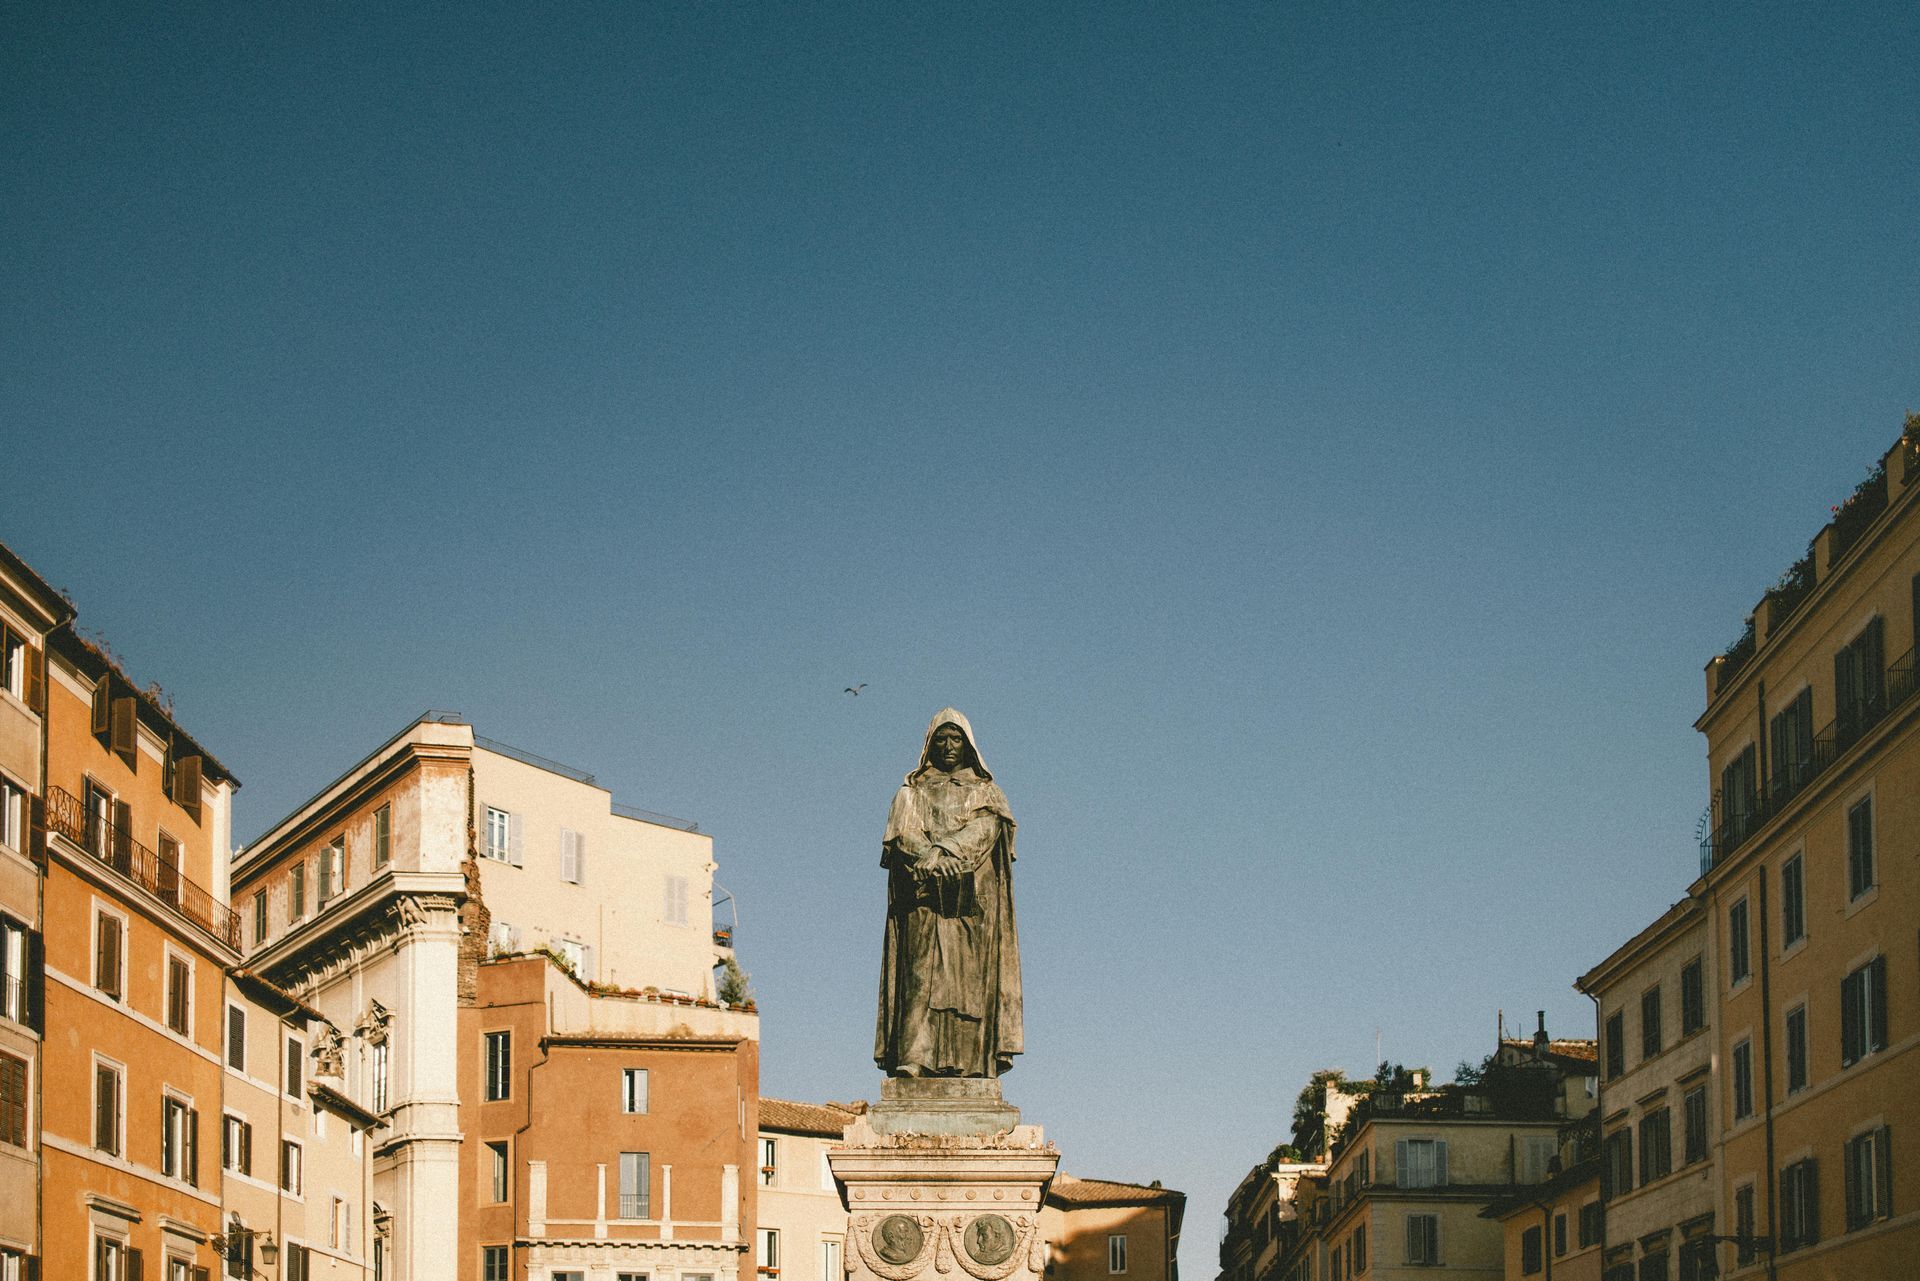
x=941, y=1181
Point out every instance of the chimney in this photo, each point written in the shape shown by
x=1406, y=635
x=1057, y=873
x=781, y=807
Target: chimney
x=1540, y=1036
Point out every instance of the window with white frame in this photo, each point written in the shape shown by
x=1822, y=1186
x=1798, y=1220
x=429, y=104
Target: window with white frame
x=633, y=1090
x=635, y=1183
x=1116, y=1253
x=377, y=1071
x=573, y=855
x=830, y=1269
x=1868, y=1160
x=675, y=907
x=340, y=1225
x=332, y=868
x=179, y=1140
x=236, y=1144
x=1863, y=1012
x=109, y=1259
x=499, y=1061
x=292, y=1156
x=13, y=815
x=767, y=1251
x=13, y=662
x=1799, y=1205
x=499, y=835
x=16, y=951
x=769, y=1161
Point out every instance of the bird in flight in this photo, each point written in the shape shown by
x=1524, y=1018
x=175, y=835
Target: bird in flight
x=855, y=689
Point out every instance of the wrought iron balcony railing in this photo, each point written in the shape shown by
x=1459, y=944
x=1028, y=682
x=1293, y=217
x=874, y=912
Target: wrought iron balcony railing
x=114, y=846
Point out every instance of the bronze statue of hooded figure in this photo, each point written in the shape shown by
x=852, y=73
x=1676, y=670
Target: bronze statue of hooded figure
x=950, y=968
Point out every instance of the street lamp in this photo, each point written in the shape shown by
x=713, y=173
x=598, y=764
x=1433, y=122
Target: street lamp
x=238, y=1237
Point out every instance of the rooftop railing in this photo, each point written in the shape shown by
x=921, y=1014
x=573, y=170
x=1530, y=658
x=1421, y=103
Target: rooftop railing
x=1741, y=816
x=114, y=846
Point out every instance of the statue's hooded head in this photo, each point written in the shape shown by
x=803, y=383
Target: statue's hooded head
x=957, y=719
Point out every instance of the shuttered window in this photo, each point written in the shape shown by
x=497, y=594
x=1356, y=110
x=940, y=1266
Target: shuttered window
x=1863, y=1011
x=1739, y=966
x=13, y=1100
x=236, y=1038
x=108, y=941
x=1796, y=1035
x=1651, y=1040
x=382, y=835
x=106, y=1109
x=1860, y=870
x=1693, y=997
x=1869, y=1173
x=179, y=995
x=1742, y=1080
x=1799, y=1205
x=1858, y=683
x=1694, y=1111
x=1793, y=901
x=1420, y=1163
x=1423, y=1239
x=573, y=856
x=1791, y=744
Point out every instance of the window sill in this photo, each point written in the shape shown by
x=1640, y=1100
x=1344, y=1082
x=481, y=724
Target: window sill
x=1865, y=900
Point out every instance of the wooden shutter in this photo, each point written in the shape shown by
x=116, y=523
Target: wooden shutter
x=580, y=857
x=124, y=735
x=193, y=1146
x=123, y=836
x=37, y=674
x=187, y=772
x=36, y=829
x=102, y=712
x=201, y=1274
x=1400, y=1171
x=1877, y=1003
x=1440, y=1163
x=1883, y=1173
x=36, y=979
x=515, y=840
x=136, y=1265
x=1855, y=1182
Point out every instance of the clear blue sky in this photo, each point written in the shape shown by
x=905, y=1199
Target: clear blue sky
x=1318, y=444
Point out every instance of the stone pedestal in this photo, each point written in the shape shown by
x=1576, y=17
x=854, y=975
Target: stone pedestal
x=942, y=1183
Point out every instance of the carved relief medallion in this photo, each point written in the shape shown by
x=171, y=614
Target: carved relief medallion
x=898, y=1239
x=989, y=1240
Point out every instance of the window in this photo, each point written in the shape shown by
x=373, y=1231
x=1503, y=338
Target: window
x=1591, y=1218
x=1793, y=901
x=259, y=917
x=100, y=810
x=236, y=1145
x=1860, y=876
x=578, y=956
x=1616, y=1162
x=1693, y=1109
x=13, y=1100
x=499, y=1066
x=1869, y=1170
x=377, y=1069
x=635, y=1181
x=1616, y=1039
x=1420, y=1163
x=1116, y=1253
x=633, y=1090
x=1531, y=1252
x=1653, y=1267
x=1423, y=1239
x=239, y=1256
x=493, y=1263
x=501, y=1169
x=1697, y=1261
x=299, y=1262
x=340, y=1226
x=676, y=904
x=500, y=833
x=1737, y=965
x=179, y=1140
x=1739, y=798
x=296, y=1055
x=297, y=892
x=829, y=1262
x=1799, y=1205
x=1650, y=1039
x=110, y=1259
x=20, y=973
x=167, y=870
x=769, y=1161
x=109, y=953
x=1792, y=747
x=573, y=855
x=179, y=994
x=106, y=1108
x=1863, y=1012
x=332, y=869
x=1743, y=1249
x=290, y=1155
x=13, y=815
x=1742, y=1080
x=1858, y=690
x=767, y=1251
x=13, y=662
x=236, y=1038
x=383, y=835
x=1357, y=1250
x=1559, y=1234
x=1796, y=1049
x=1693, y=998
x=1656, y=1145
x=1536, y=1155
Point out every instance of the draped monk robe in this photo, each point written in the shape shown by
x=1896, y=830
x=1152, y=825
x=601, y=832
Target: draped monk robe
x=950, y=966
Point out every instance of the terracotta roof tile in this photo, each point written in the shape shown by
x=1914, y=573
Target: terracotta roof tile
x=825, y=1120
x=1067, y=1190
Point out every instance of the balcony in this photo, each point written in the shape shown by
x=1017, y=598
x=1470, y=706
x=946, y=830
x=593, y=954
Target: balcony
x=117, y=849
x=1744, y=816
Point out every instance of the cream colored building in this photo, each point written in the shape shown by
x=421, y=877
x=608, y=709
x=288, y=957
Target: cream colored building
x=296, y=1154
x=1659, y=1096
x=1098, y=1230
x=626, y=897
x=802, y=1228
